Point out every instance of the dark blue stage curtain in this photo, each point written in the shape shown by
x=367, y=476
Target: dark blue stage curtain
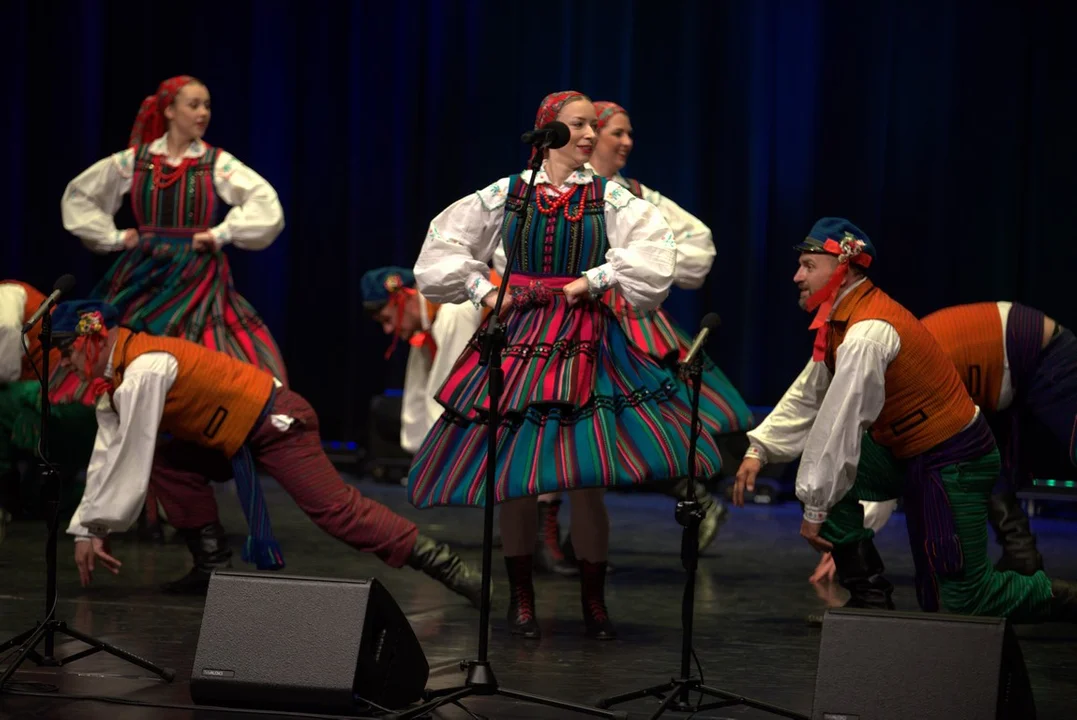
x=944, y=129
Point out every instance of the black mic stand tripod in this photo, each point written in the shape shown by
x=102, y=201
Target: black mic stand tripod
x=46, y=630
x=689, y=515
x=480, y=675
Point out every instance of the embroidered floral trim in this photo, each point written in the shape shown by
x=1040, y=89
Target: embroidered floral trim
x=757, y=453
x=536, y=294
x=473, y=291
x=600, y=281
x=814, y=516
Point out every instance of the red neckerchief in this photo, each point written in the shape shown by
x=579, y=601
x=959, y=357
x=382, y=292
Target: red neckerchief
x=848, y=250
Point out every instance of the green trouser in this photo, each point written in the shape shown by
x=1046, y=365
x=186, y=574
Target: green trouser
x=979, y=589
x=72, y=426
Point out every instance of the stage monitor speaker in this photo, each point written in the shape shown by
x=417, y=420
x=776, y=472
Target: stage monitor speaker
x=877, y=665
x=306, y=644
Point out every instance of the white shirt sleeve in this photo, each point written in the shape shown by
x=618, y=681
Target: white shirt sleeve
x=695, y=243
x=782, y=434
x=91, y=200
x=642, y=257
x=119, y=470
x=453, y=264
x=256, y=217
x=853, y=402
x=12, y=311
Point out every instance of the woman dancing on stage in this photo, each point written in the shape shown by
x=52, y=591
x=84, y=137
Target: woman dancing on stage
x=172, y=278
x=655, y=333
x=583, y=408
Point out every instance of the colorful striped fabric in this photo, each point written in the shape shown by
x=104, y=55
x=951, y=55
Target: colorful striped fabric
x=655, y=333
x=165, y=287
x=582, y=407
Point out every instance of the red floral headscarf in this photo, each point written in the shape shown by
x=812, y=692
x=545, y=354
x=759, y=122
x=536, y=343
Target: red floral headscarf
x=551, y=105
x=606, y=110
x=150, y=122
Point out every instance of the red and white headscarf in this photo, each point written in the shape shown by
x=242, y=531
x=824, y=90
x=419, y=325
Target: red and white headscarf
x=150, y=123
x=551, y=106
x=606, y=110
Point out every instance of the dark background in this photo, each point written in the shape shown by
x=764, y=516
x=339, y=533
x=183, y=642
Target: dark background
x=943, y=129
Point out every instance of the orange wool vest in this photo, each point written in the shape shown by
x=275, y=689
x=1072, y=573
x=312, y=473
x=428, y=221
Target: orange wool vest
x=215, y=400
x=926, y=403
x=972, y=336
x=34, y=298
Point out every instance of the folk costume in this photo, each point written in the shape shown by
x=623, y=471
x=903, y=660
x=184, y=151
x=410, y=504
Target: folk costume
x=1021, y=370
x=165, y=287
x=245, y=416
x=876, y=368
x=583, y=407
x=654, y=331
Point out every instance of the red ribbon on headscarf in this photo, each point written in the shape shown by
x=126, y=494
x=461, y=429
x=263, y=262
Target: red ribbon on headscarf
x=849, y=250
x=150, y=123
x=92, y=338
x=398, y=301
x=606, y=110
x=551, y=105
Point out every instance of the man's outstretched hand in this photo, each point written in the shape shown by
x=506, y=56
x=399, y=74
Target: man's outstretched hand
x=89, y=553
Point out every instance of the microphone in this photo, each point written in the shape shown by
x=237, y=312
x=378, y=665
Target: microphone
x=553, y=134
x=64, y=285
x=710, y=322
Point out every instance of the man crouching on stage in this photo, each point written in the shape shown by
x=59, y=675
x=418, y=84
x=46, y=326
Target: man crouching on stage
x=159, y=384
x=877, y=369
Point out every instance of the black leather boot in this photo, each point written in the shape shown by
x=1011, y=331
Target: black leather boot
x=1012, y=530
x=716, y=512
x=860, y=571
x=521, y=615
x=1063, y=601
x=438, y=560
x=209, y=548
x=596, y=617
x=549, y=557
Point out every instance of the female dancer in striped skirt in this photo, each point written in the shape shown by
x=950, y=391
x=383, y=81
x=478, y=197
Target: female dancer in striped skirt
x=654, y=331
x=583, y=407
x=172, y=277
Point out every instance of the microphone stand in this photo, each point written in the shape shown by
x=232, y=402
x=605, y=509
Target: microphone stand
x=690, y=515
x=480, y=675
x=47, y=629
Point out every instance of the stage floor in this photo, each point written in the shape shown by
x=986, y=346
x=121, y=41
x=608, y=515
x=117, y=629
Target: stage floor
x=751, y=634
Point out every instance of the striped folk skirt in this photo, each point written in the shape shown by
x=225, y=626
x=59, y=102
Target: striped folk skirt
x=657, y=334
x=582, y=407
x=165, y=287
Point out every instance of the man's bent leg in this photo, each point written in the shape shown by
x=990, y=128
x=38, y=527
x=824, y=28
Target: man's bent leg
x=980, y=589
x=859, y=566
x=294, y=457
x=180, y=478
